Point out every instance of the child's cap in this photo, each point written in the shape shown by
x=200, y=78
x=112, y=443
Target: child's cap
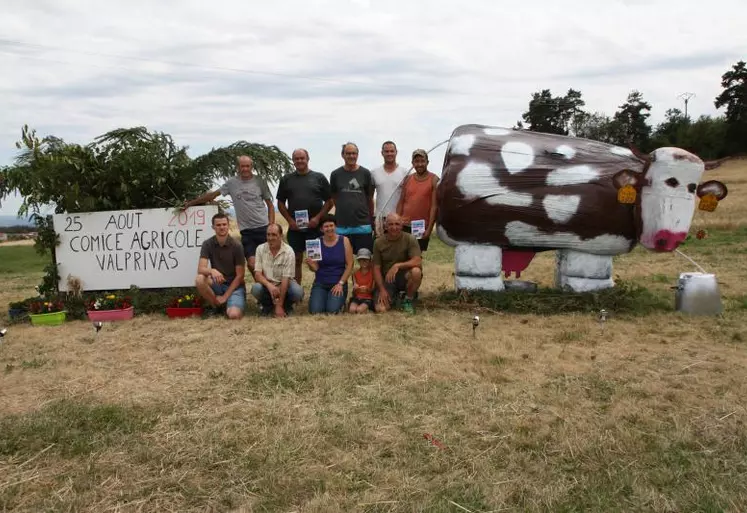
x=363, y=254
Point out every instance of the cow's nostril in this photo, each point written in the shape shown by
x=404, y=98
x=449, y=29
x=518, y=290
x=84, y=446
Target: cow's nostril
x=661, y=242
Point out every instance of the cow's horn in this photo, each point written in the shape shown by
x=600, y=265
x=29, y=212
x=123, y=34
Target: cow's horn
x=713, y=164
x=644, y=157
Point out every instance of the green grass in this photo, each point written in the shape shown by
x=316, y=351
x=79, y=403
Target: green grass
x=21, y=260
x=75, y=428
x=438, y=252
x=717, y=237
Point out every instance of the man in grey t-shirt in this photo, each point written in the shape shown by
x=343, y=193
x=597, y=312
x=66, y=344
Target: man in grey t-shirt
x=252, y=201
x=352, y=190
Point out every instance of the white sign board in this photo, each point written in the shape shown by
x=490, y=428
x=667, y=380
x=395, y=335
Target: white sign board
x=151, y=248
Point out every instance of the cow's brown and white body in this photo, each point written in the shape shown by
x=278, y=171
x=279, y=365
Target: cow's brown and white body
x=525, y=192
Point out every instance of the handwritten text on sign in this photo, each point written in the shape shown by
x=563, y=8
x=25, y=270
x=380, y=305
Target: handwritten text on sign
x=150, y=248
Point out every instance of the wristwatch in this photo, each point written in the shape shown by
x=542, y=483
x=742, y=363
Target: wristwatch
x=341, y=283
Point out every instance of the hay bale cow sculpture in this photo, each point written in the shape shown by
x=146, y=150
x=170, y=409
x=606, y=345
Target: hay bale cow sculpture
x=507, y=194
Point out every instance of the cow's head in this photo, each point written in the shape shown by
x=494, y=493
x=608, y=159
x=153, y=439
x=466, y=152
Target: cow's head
x=664, y=195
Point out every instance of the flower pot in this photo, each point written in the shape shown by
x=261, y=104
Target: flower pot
x=48, y=319
x=123, y=314
x=16, y=313
x=183, y=312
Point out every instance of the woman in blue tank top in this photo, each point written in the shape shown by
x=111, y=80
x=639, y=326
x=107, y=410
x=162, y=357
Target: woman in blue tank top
x=330, y=288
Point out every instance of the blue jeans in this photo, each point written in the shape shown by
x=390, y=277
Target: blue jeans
x=294, y=295
x=321, y=299
x=237, y=298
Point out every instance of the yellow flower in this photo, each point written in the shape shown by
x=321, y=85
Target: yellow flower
x=180, y=300
x=111, y=296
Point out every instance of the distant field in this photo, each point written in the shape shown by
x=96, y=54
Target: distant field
x=20, y=259
x=338, y=414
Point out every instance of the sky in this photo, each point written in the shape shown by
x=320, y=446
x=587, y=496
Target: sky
x=318, y=73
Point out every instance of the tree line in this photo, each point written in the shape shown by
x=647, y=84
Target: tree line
x=708, y=137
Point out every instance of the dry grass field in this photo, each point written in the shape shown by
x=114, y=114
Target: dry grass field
x=333, y=414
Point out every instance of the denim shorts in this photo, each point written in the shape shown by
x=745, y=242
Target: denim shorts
x=237, y=298
x=251, y=238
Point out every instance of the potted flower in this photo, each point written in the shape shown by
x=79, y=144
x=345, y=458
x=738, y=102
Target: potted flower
x=17, y=310
x=184, y=306
x=44, y=312
x=111, y=307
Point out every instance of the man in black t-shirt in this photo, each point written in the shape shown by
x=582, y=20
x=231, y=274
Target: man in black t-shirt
x=220, y=272
x=353, y=190
x=309, y=199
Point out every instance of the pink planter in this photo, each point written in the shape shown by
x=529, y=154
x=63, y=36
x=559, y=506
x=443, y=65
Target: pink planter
x=183, y=312
x=111, y=315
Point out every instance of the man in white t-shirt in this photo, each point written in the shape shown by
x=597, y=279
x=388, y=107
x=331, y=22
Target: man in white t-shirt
x=387, y=181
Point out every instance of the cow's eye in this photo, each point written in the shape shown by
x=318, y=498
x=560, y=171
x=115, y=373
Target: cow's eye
x=672, y=182
x=692, y=188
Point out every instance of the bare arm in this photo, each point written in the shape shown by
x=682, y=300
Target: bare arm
x=237, y=281
x=348, y=260
x=284, y=212
x=325, y=209
x=434, y=209
x=378, y=277
x=203, y=267
x=409, y=264
x=313, y=265
x=201, y=200
x=259, y=276
x=270, y=211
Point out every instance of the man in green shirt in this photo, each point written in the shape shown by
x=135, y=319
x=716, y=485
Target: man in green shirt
x=397, y=266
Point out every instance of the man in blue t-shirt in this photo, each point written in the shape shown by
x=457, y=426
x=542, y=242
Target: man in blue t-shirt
x=353, y=190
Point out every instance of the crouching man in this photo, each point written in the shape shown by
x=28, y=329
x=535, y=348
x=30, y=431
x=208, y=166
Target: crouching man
x=397, y=266
x=220, y=272
x=276, y=289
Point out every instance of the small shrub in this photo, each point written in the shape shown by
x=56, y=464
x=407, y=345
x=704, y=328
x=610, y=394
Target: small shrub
x=623, y=298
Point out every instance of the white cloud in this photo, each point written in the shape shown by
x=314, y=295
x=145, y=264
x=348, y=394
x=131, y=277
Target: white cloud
x=317, y=73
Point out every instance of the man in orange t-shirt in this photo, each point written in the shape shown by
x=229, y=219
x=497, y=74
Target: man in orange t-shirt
x=417, y=202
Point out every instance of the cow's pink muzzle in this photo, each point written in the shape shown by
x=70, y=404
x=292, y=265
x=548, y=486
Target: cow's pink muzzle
x=664, y=240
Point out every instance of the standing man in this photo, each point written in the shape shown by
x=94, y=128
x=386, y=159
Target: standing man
x=253, y=203
x=309, y=199
x=397, y=266
x=387, y=182
x=418, y=199
x=353, y=191
x=276, y=290
x=220, y=271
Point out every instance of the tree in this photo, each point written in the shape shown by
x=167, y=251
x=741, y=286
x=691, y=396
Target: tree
x=123, y=169
x=706, y=138
x=553, y=115
x=595, y=126
x=672, y=131
x=629, y=123
x=734, y=98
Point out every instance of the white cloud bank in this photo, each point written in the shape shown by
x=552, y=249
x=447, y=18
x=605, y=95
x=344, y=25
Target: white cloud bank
x=317, y=73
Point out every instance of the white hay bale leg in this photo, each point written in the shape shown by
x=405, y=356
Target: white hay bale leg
x=582, y=272
x=478, y=267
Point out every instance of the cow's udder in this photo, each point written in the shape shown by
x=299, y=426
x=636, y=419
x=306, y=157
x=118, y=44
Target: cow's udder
x=513, y=261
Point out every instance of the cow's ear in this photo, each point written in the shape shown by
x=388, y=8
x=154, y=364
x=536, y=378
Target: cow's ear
x=710, y=193
x=627, y=182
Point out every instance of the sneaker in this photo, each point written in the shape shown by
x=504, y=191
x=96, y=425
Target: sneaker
x=407, y=306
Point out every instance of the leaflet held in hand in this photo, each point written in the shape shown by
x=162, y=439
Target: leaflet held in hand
x=302, y=219
x=314, y=249
x=418, y=228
